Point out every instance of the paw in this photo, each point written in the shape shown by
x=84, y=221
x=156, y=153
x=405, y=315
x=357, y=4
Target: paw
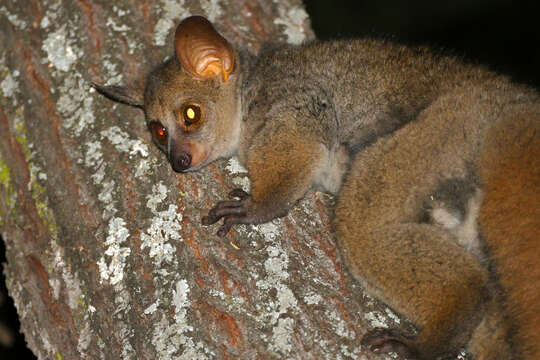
x=232, y=211
x=383, y=341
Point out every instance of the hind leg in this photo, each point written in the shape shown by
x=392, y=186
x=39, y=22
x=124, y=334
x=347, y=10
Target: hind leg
x=420, y=273
x=418, y=269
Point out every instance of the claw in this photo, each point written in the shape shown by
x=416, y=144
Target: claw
x=229, y=222
x=223, y=208
x=239, y=193
x=232, y=211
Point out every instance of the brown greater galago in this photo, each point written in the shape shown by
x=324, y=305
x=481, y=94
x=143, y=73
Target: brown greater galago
x=435, y=163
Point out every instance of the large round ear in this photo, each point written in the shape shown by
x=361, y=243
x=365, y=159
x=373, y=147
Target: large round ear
x=201, y=50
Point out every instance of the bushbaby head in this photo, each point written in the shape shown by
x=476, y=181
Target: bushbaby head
x=192, y=100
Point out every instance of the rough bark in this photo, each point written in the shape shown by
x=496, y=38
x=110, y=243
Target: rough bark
x=106, y=254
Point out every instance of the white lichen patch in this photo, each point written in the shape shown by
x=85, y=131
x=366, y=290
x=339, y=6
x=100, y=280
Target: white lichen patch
x=111, y=73
x=281, y=336
x=354, y=354
x=106, y=198
x=165, y=227
x=234, y=304
x=126, y=333
x=274, y=312
x=117, y=25
x=339, y=326
x=275, y=266
x=51, y=15
x=72, y=284
x=120, y=12
x=13, y=18
x=180, y=299
x=235, y=168
x=392, y=315
x=171, y=10
x=132, y=147
x=45, y=22
x=152, y=308
x=211, y=8
x=159, y=193
x=93, y=156
x=113, y=76
x=112, y=25
x=49, y=348
x=294, y=20
x=376, y=319
x=85, y=337
x=122, y=300
x=171, y=340
x=313, y=298
x=10, y=85
x=55, y=285
x=113, y=271
x=75, y=105
x=123, y=143
x=60, y=49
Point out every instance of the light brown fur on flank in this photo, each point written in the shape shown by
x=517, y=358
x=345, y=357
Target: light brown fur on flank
x=434, y=162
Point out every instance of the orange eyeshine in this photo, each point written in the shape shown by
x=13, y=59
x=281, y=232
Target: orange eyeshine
x=159, y=132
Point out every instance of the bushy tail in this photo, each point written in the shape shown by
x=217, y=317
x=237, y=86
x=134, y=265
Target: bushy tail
x=510, y=224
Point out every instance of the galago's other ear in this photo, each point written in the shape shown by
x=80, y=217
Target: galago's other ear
x=202, y=51
x=129, y=95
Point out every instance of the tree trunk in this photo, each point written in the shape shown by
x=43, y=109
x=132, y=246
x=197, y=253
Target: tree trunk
x=106, y=254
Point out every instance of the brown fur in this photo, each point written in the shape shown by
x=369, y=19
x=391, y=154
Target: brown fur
x=490, y=338
x=510, y=221
x=384, y=193
x=427, y=136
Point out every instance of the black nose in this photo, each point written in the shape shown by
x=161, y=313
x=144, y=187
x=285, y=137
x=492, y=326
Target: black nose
x=181, y=162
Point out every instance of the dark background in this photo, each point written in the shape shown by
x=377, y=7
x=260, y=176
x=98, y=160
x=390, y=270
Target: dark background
x=503, y=34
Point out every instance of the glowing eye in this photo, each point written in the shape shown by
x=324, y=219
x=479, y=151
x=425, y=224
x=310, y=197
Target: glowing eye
x=159, y=132
x=191, y=113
